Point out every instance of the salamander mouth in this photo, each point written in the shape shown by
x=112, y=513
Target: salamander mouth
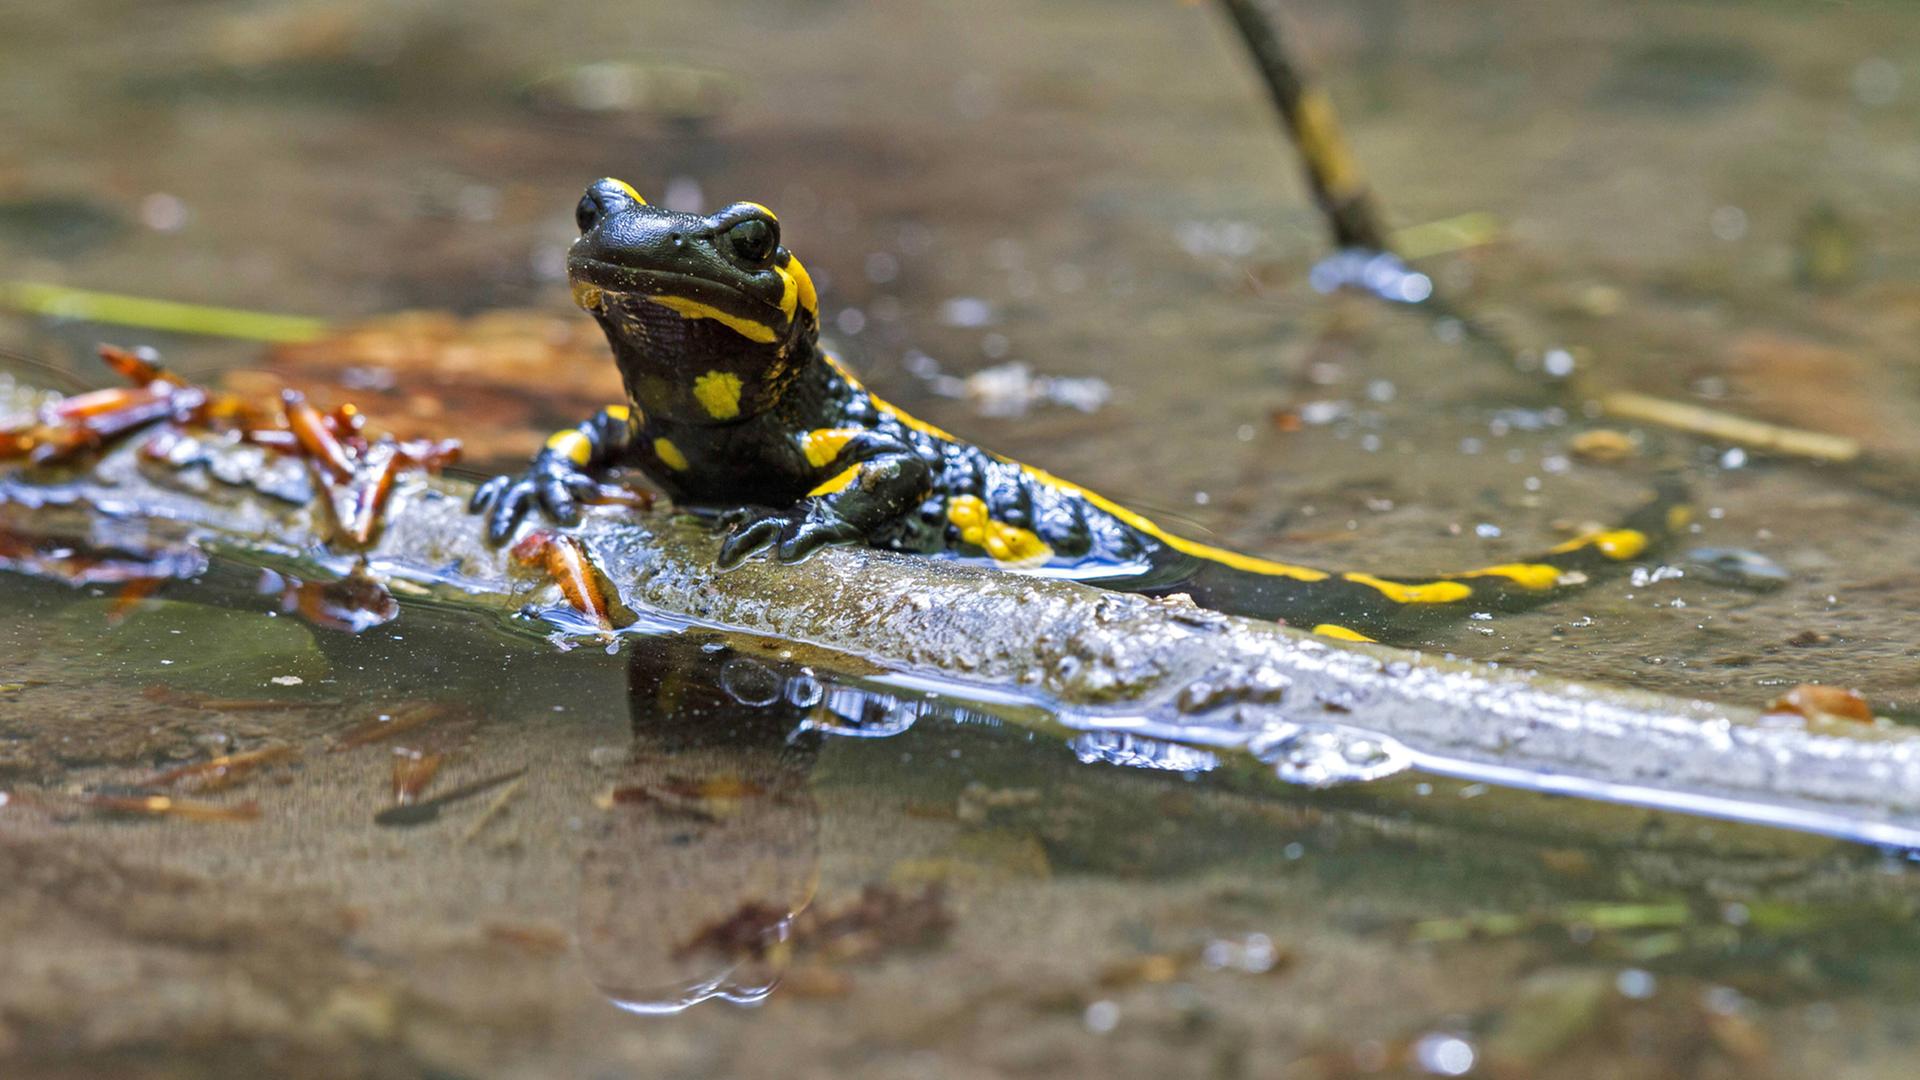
x=590, y=275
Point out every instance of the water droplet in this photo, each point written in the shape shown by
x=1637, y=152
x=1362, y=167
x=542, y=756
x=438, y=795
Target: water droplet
x=1101, y=1017
x=1444, y=1055
x=1636, y=984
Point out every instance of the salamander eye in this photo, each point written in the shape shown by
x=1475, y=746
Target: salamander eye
x=753, y=240
x=587, y=214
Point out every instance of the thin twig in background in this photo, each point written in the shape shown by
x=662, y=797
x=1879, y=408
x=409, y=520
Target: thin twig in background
x=1339, y=187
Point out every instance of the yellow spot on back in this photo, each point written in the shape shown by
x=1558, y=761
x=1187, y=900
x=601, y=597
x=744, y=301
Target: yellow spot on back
x=1679, y=517
x=1535, y=576
x=841, y=481
x=670, y=454
x=1339, y=633
x=1008, y=545
x=571, y=445
x=628, y=188
x=694, y=309
x=822, y=445
x=718, y=392
x=1431, y=592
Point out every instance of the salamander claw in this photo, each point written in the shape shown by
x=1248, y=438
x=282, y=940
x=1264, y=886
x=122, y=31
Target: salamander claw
x=509, y=503
x=556, y=488
x=484, y=495
x=556, y=496
x=795, y=534
x=747, y=538
x=806, y=537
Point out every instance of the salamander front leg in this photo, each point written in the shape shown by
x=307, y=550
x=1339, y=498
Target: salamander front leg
x=849, y=507
x=558, y=477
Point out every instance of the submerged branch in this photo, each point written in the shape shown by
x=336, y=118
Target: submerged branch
x=1053, y=654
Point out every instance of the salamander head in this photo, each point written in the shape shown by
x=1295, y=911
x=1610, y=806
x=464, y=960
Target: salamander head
x=709, y=317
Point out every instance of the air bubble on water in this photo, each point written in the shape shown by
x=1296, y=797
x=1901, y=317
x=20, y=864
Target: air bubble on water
x=1123, y=748
x=1635, y=984
x=1322, y=756
x=750, y=682
x=1101, y=1017
x=1444, y=1055
x=804, y=691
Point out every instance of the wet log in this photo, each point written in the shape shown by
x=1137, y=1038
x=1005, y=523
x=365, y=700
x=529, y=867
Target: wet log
x=1049, y=653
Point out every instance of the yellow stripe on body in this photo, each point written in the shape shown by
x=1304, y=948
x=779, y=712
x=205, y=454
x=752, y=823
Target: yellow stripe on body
x=1247, y=563
x=1340, y=633
x=1535, y=576
x=694, y=309
x=1616, y=544
x=572, y=445
x=1431, y=592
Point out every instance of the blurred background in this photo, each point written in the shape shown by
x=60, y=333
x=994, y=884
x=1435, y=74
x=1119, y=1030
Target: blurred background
x=1073, y=231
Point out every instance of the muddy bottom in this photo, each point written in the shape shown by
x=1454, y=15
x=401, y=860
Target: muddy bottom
x=817, y=874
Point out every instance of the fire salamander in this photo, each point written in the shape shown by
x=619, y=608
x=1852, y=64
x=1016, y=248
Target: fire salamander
x=733, y=406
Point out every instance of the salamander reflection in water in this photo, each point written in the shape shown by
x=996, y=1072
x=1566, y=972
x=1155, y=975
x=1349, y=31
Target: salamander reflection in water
x=733, y=407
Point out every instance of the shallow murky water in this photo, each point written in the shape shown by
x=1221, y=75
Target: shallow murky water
x=1707, y=201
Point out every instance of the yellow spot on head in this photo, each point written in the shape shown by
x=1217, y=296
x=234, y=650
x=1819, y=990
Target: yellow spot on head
x=718, y=392
x=670, y=454
x=1339, y=633
x=804, y=281
x=789, y=292
x=619, y=412
x=587, y=296
x=840, y=482
x=771, y=216
x=1535, y=576
x=1432, y=592
x=628, y=188
x=571, y=445
x=1008, y=545
x=822, y=445
x=694, y=309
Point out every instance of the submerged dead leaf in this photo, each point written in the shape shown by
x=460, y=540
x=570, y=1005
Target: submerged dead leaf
x=1816, y=702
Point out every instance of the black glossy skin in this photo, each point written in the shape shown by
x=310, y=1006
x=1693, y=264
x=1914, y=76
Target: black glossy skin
x=714, y=327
